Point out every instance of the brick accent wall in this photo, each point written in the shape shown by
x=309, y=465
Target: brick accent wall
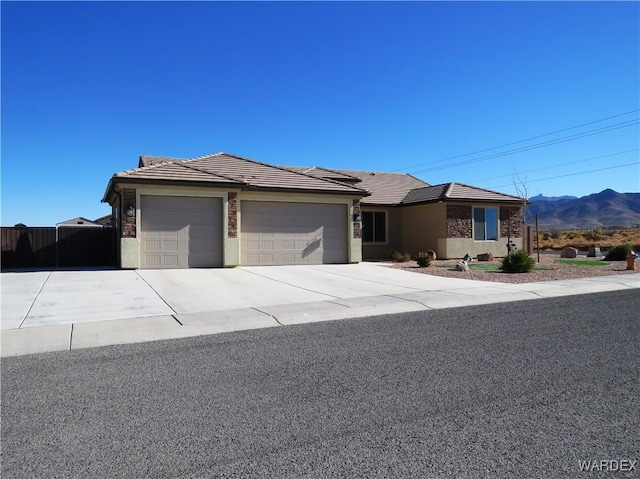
x=357, y=231
x=510, y=215
x=459, y=223
x=128, y=222
x=232, y=215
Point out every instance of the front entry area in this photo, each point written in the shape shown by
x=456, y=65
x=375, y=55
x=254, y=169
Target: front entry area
x=275, y=233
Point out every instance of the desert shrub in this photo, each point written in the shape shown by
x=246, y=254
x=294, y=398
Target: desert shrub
x=593, y=235
x=423, y=259
x=400, y=257
x=556, y=234
x=618, y=253
x=572, y=235
x=518, y=261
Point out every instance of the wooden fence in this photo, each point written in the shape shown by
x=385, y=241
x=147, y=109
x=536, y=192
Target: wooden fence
x=50, y=247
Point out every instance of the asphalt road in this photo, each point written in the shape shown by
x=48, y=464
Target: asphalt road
x=524, y=389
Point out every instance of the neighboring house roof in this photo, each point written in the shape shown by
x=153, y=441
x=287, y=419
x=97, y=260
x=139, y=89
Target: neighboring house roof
x=456, y=191
x=106, y=220
x=229, y=170
x=80, y=221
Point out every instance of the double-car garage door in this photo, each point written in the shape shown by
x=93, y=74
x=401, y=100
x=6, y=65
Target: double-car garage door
x=182, y=232
x=293, y=233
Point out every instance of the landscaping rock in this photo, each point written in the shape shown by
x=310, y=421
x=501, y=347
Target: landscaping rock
x=569, y=252
x=485, y=257
x=462, y=266
x=431, y=255
x=594, y=252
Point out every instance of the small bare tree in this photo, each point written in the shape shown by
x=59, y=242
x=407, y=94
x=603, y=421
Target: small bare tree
x=522, y=190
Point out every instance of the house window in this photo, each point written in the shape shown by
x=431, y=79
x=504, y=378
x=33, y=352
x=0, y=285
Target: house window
x=374, y=226
x=485, y=224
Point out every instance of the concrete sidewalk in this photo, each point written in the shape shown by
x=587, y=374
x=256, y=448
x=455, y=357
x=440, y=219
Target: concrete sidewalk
x=63, y=310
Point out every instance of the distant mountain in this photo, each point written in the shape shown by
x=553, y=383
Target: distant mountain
x=607, y=208
x=551, y=198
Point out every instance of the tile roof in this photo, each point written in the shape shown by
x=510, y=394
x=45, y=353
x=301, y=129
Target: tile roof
x=326, y=173
x=230, y=170
x=263, y=175
x=146, y=160
x=175, y=171
x=456, y=191
x=385, y=188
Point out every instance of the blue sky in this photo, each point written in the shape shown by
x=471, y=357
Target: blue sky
x=415, y=87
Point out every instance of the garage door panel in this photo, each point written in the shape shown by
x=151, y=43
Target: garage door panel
x=181, y=232
x=293, y=233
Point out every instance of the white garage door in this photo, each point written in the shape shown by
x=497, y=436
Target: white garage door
x=180, y=232
x=293, y=233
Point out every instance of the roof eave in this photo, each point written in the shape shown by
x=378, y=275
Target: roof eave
x=115, y=180
x=357, y=193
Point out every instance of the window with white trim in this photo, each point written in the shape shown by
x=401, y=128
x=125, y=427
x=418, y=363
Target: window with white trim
x=374, y=226
x=485, y=224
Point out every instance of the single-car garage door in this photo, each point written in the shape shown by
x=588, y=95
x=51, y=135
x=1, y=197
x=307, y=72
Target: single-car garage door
x=293, y=233
x=180, y=232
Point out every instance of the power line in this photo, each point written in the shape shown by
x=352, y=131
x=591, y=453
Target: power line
x=519, y=141
x=635, y=163
x=577, y=136
x=559, y=165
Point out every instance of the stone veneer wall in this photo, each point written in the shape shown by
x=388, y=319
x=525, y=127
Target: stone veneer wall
x=232, y=215
x=128, y=222
x=459, y=223
x=510, y=216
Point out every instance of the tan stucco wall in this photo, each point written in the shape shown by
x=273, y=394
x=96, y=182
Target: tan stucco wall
x=130, y=247
x=129, y=253
x=422, y=226
x=394, y=235
x=449, y=248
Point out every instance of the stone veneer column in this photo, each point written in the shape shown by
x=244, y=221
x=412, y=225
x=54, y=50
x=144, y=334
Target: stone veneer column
x=128, y=222
x=357, y=226
x=459, y=223
x=232, y=215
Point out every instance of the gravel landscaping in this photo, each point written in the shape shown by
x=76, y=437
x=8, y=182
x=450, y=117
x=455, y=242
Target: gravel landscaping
x=549, y=270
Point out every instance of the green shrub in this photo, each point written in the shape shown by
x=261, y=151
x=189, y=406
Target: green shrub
x=423, y=259
x=518, y=261
x=618, y=253
x=400, y=257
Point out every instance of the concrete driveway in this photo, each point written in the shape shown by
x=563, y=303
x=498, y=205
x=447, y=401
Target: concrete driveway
x=57, y=310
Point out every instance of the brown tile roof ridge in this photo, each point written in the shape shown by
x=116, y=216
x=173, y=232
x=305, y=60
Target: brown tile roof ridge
x=281, y=168
x=330, y=170
x=153, y=159
x=447, y=191
x=227, y=177
x=180, y=164
x=454, y=184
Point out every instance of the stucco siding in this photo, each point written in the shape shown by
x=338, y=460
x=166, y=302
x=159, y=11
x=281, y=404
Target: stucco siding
x=422, y=226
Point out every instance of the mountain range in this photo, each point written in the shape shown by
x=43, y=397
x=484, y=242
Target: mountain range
x=605, y=209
